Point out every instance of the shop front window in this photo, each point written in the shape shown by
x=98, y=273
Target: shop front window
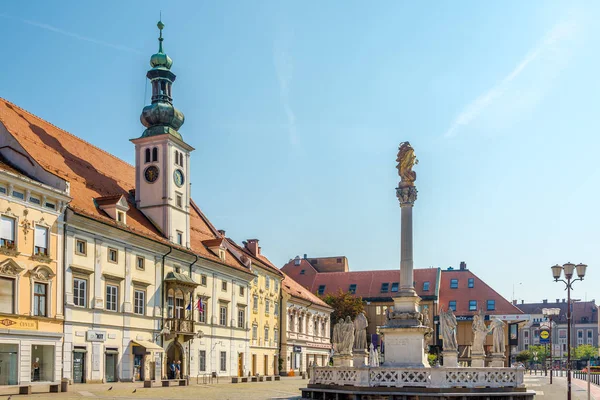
x=9, y=355
x=42, y=363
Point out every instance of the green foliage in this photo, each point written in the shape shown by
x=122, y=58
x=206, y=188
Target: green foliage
x=585, y=352
x=432, y=358
x=344, y=304
x=542, y=353
x=524, y=356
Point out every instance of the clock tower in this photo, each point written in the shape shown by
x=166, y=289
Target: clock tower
x=162, y=158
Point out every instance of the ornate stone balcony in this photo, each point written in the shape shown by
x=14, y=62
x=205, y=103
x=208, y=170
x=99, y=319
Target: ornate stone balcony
x=419, y=377
x=180, y=326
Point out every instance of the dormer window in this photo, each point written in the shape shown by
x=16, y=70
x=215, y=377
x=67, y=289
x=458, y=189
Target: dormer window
x=115, y=206
x=121, y=216
x=222, y=254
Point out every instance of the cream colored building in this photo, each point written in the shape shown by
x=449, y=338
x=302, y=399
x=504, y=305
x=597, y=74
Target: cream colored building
x=264, y=310
x=31, y=312
x=306, y=327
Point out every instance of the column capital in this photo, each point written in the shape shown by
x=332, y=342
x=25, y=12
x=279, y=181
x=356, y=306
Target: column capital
x=407, y=195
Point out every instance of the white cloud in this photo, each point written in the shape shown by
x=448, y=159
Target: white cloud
x=555, y=58
x=72, y=34
x=284, y=69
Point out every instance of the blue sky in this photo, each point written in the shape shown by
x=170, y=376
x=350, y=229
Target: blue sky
x=296, y=110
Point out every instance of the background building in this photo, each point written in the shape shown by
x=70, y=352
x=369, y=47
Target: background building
x=305, y=338
x=31, y=311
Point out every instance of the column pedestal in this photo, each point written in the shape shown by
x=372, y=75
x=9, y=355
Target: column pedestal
x=343, y=360
x=450, y=358
x=403, y=346
x=360, y=358
x=497, y=360
x=477, y=360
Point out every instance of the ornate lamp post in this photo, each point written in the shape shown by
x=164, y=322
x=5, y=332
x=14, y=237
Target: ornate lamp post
x=568, y=269
x=549, y=313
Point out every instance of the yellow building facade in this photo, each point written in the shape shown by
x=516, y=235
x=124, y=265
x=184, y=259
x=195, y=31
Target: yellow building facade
x=31, y=312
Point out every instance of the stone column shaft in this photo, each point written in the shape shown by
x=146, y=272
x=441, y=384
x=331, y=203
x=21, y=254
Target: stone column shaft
x=406, y=248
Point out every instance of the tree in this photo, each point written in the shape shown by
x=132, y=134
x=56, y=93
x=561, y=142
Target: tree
x=344, y=304
x=524, y=356
x=585, y=352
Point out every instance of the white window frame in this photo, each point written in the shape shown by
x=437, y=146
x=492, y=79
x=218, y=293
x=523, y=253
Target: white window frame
x=136, y=300
x=222, y=318
x=241, y=317
x=267, y=306
x=223, y=361
x=77, y=242
x=114, y=301
x=14, y=221
x=85, y=292
x=15, y=292
x=38, y=240
x=201, y=358
x=111, y=250
x=137, y=263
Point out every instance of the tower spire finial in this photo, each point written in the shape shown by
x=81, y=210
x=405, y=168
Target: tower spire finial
x=160, y=26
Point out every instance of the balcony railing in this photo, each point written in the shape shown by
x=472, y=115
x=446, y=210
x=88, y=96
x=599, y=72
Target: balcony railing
x=176, y=325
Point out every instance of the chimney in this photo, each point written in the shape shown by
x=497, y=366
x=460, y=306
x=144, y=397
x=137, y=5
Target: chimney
x=222, y=232
x=545, y=301
x=522, y=301
x=463, y=265
x=514, y=302
x=558, y=300
x=252, y=245
x=305, y=256
x=564, y=301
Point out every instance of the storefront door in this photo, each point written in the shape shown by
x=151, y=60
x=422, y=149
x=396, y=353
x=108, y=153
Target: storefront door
x=8, y=364
x=78, y=367
x=241, y=364
x=138, y=367
x=110, y=368
x=253, y=364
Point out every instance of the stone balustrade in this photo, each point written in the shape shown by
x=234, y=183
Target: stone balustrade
x=419, y=377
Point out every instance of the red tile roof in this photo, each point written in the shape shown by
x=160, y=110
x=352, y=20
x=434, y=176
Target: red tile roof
x=294, y=289
x=481, y=292
x=264, y=261
x=93, y=173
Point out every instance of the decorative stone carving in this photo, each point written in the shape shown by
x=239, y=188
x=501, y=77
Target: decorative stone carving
x=343, y=337
x=406, y=195
x=497, y=329
x=41, y=273
x=373, y=356
x=360, y=332
x=448, y=327
x=10, y=267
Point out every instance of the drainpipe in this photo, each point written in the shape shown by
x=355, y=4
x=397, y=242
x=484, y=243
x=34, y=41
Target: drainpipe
x=62, y=370
x=192, y=321
x=162, y=291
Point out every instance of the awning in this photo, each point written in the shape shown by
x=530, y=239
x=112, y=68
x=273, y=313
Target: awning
x=148, y=345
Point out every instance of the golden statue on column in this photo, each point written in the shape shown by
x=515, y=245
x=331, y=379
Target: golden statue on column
x=406, y=161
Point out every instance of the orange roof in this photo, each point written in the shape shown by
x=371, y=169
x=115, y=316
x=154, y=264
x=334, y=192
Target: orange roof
x=294, y=289
x=93, y=173
x=262, y=259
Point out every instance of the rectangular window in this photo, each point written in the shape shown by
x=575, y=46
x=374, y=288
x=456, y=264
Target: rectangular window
x=266, y=334
x=471, y=282
x=111, y=297
x=276, y=284
x=2, y=189
x=224, y=286
x=223, y=315
x=426, y=286
x=139, y=300
x=120, y=216
x=276, y=308
x=275, y=335
x=202, y=311
x=223, y=363
x=140, y=263
x=80, y=292
x=203, y=280
x=302, y=272
x=51, y=206
x=491, y=305
x=7, y=232
x=453, y=283
x=472, y=305
x=254, y=332
x=267, y=282
x=180, y=238
x=241, y=317
x=321, y=290
x=18, y=195
x=113, y=255
x=80, y=247
x=41, y=241
x=170, y=306
x=202, y=360
x=352, y=289
x=34, y=200
x=241, y=291
x=255, y=303
x=385, y=287
x=394, y=287
x=526, y=334
x=7, y=295
x=39, y=300
x=179, y=201
x=452, y=305
x=267, y=306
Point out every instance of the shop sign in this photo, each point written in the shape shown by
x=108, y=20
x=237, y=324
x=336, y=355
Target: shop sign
x=544, y=336
x=19, y=323
x=297, y=349
x=96, y=336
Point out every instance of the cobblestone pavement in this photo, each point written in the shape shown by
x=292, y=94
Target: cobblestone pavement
x=287, y=388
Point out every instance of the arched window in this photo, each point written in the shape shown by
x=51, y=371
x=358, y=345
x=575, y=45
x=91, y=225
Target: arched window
x=176, y=157
x=147, y=156
x=181, y=159
x=155, y=154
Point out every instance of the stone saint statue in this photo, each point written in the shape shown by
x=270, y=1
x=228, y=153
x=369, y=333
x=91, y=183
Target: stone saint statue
x=448, y=327
x=373, y=356
x=497, y=329
x=343, y=337
x=480, y=331
x=406, y=160
x=360, y=332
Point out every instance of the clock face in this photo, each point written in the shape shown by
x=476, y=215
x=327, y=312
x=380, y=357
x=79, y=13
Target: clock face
x=178, y=177
x=151, y=173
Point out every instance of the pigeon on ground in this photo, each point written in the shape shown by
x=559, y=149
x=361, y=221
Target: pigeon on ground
x=134, y=390
x=110, y=388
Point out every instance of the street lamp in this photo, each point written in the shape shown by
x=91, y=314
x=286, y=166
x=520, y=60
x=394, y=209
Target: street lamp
x=567, y=269
x=549, y=313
